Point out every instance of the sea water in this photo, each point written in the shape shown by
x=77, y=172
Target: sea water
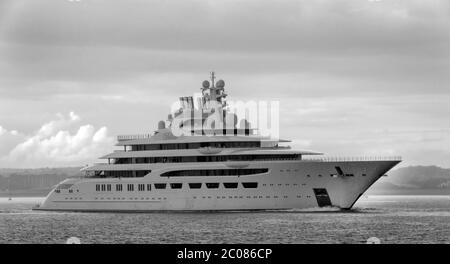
x=391, y=219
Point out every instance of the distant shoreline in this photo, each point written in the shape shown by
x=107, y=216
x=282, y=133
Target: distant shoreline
x=25, y=193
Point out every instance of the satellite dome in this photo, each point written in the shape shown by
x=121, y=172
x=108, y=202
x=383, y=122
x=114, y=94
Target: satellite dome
x=220, y=84
x=161, y=124
x=205, y=84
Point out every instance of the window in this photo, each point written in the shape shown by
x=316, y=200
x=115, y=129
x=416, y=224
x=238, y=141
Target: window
x=108, y=187
x=217, y=172
x=230, y=185
x=141, y=187
x=97, y=187
x=339, y=170
x=119, y=187
x=103, y=187
x=195, y=185
x=118, y=174
x=149, y=187
x=212, y=185
x=176, y=185
x=160, y=186
x=250, y=184
x=130, y=187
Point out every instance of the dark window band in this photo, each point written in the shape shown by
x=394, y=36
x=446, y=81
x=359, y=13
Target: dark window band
x=212, y=185
x=176, y=185
x=250, y=184
x=119, y=174
x=230, y=185
x=160, y=186
x=218, y=158
x=238, y=144
x=214, y=172
x=195, y=185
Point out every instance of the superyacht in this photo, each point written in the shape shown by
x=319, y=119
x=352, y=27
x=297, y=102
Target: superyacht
x=227, y=166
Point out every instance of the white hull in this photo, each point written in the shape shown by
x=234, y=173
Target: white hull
x=287, y=185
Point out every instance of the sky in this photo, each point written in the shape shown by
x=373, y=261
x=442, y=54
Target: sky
x=353, y=78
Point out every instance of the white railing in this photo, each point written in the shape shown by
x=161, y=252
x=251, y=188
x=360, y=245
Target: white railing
x=363, y=158
x=130, y=137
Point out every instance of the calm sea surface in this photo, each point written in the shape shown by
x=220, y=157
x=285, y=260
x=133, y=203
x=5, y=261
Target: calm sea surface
x=392, y=219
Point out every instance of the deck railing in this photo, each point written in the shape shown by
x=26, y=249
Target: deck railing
x=131, y=137
x=362, y=158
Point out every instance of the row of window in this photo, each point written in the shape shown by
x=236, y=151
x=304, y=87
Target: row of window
x=211, y=172
x=122, y=174
x=214, y=172
x=195, y=197
x=237, y=144
x=241, y=197
x=221, y=158
x=196, y=185
x=335, y=175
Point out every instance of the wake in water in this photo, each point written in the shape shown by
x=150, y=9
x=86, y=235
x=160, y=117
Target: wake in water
x=332, y=209
x=326, y=209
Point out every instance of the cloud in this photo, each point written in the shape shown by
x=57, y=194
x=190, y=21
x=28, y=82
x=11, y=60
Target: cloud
x=61, y=47
x=342, y=70
x=9, y=139
x=52, y=127
x=54, y=145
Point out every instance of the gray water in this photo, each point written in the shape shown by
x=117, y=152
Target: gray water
x=392, y=219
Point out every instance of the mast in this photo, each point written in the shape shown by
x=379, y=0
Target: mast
x=213, y=78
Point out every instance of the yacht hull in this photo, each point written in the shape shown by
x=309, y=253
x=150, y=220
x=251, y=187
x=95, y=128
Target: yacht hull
x=287, y=185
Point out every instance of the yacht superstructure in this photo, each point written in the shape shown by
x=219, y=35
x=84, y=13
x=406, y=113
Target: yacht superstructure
x=185, y=165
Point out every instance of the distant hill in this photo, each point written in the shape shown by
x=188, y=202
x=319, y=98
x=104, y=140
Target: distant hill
x=420, y=180
x=427, y=180
x=36, y=182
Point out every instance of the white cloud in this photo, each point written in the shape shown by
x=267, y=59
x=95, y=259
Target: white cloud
x=54, y=126
x=54, y=144
x=8, y=139
x=73, y=116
